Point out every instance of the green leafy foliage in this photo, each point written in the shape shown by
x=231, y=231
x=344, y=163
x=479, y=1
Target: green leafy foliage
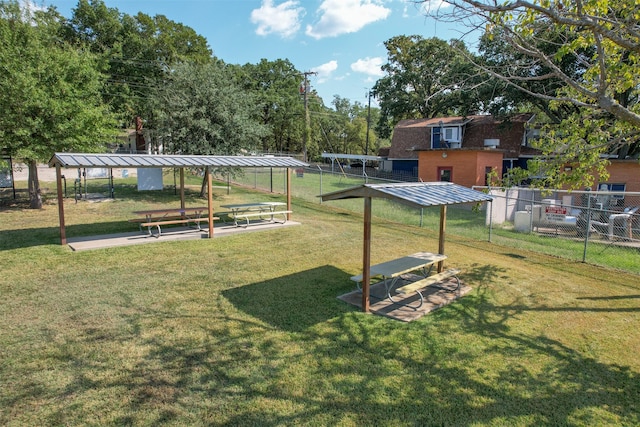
x=201, y=111
x=578, y=62
x=425, y=78
x=135, y=51
x=51, y=93
x=275, y=85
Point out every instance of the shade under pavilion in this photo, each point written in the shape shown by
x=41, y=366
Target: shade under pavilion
x=415, y=194
x=92, y=160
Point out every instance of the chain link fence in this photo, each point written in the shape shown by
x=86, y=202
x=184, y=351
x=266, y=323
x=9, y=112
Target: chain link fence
x=599, y=220
x=599, y=227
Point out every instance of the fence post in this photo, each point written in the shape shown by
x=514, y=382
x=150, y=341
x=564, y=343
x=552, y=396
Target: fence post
x=587, y=229
x=320, y=169
x=490, y=217
x=533, y=201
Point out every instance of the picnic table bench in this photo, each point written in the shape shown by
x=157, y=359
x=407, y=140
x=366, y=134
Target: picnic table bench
x=397, y=271
x=246, y=211
x=157, y=218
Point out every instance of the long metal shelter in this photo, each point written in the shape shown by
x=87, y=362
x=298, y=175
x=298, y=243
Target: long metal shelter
x=90, y=160
x=415, y=194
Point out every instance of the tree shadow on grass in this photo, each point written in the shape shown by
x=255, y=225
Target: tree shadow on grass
x=41, y=236
x=308, y=359
x=296, y=301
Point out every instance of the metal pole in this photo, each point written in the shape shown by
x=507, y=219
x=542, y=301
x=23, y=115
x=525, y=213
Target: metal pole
x=320, y=169
x=63, y=231
x=366, y=150
x=366, y=255
x=587, y=230
x=490, y=218
x=533, y=200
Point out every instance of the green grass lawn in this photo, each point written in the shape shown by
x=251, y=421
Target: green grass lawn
x=247, y=330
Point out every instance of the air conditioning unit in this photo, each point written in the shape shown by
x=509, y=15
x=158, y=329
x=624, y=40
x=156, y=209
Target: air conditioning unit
x=491, y=143
x=455, y=144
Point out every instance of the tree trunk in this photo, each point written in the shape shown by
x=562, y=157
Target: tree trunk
x=205, y=179
x=34, y=186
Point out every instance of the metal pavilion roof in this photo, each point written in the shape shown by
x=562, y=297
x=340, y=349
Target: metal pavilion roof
x=90, y=160
x=416, y=194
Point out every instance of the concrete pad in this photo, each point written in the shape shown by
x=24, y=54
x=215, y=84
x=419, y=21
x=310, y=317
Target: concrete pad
x=168, y=234
x=434, y=298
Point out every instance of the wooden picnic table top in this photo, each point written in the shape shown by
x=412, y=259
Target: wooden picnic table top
x=252, y=205
x=406, y=264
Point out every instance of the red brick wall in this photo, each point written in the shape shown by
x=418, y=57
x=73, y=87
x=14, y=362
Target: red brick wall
x=408, y=136
x=625, y=172
x=468, y=165
x=510, y=134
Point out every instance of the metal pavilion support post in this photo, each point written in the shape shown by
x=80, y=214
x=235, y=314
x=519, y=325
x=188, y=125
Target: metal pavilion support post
x=182, y=204
x=443, y=229
x=289, y=193
x=366, y=255
x=63, y=232
x=210, y=201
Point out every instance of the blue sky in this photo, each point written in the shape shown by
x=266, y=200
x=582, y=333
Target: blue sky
x=341, y=40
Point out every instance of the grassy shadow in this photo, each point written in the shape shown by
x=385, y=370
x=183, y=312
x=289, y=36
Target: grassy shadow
x=284, y=302
x=41, y=236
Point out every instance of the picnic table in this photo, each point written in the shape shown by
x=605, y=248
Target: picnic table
x=420, y=263
x=262, y=210
x=156, y=218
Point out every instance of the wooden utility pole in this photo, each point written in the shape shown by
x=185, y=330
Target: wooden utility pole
x=366, y=150
x=307, y=129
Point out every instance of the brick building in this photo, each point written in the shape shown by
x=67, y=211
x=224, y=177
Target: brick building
x=461, y=149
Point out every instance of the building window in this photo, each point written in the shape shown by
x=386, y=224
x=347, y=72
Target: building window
x=615, y=187
x=445, y=174
x=435, y=137
x=488, y=172
x=452, y=134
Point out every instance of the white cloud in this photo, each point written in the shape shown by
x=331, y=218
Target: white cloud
x=369, y=66
x=346, y=16
x=425, y=8
x=283, y=19
x=433, y=6
x=325, y=70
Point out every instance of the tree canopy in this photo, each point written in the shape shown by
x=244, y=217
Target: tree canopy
x=51, y=93
x=136, y=51
x=589, y=51
x=425, y=78
x=201, y=111
x=275, y=85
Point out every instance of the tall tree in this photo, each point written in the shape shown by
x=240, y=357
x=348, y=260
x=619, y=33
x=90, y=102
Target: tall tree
x=425, y=78
x=354, y=119
x=602, y=38
x=202, y=111
x=502, y=98
x=51, y=93
x=137, y=51
x=275, y=85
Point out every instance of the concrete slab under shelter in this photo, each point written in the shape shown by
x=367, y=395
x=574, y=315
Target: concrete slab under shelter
x=168, y=234
x=434, y=298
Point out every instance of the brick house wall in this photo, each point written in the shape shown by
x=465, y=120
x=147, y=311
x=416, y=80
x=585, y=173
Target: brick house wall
x=623, y=172
x=408, y=136
x=510, y=133
x=468, y=166
x=415, y=134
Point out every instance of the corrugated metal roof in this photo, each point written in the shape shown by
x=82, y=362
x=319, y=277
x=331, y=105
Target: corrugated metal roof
x=88, y=160
x=417, y=194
